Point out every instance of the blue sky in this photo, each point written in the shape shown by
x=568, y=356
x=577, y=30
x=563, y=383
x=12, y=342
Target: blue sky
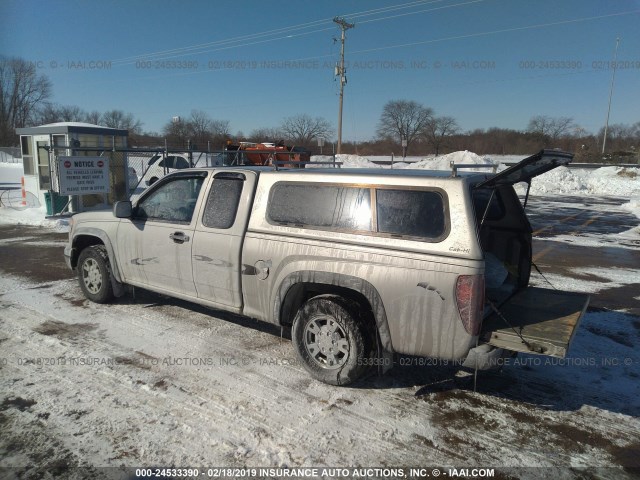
x=485, y=62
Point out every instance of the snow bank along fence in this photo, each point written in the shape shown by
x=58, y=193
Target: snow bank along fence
x=10, y=155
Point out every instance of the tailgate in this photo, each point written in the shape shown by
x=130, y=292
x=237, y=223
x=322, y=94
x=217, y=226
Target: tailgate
x=545, y=319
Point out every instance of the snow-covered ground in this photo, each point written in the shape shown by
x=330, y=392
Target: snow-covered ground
x=159, y=382
x=152, y=381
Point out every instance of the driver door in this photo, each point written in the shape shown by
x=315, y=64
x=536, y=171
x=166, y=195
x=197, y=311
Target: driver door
x=155, y=244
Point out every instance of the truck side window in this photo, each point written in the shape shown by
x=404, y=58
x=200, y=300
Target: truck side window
x=333, y=207
x=222, y=204
x=411, y=213
x=174, y=201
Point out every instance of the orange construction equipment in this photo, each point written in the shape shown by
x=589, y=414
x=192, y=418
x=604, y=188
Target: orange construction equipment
x=266, y=152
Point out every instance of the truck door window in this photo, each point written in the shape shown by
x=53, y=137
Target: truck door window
x=222, y=204
x=174, y=201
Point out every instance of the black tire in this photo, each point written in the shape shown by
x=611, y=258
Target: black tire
x=334, y=345
x=94, y=274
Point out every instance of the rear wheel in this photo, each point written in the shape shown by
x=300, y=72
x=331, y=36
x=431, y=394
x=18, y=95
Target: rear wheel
x=94, y=274
x=332, y=342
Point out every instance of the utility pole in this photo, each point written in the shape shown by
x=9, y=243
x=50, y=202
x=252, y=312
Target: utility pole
x=613, y=77
x=340, y=72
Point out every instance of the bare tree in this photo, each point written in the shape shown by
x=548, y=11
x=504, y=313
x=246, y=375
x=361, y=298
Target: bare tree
x=93, y=117
x=47, y=113
x=52, y=113
x=177, y=132
x=199, y=126
x=120, y=119
x=621, y=137
x=266, y=135
x=550, y=128
x=220, y=130
x=72, y=113
x=21, y=92
x=438, y=131
x=403, y=119
x=302, y=129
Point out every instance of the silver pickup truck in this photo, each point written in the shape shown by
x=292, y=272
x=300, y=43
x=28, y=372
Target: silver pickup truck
x=361, y=263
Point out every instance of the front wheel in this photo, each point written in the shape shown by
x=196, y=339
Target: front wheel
x=94, y=274
x=333, y=344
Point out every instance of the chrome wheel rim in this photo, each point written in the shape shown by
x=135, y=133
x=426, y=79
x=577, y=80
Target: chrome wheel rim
x=91, y=275
x=326, y=342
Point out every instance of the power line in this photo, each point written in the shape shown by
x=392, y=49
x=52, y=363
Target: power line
x=613, y=79
x=420, y=11
x=493, y=32
x=195, y=49
x=178, y=54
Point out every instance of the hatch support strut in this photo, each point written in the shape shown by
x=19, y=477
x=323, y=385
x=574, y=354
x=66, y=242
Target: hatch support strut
x=526, y=197
x=486, y=210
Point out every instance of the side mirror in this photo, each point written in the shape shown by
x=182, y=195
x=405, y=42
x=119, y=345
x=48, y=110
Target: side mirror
x=122, y=209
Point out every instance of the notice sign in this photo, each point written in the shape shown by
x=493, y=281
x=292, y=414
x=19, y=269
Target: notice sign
x=83, y=175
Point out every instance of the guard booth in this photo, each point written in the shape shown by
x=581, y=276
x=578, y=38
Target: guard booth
x=41, y=146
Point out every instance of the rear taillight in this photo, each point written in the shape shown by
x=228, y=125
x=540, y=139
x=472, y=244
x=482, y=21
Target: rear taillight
x=470, y=301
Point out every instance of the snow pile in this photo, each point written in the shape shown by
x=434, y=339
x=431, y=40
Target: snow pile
x=633, y=206
x=347, y=161
x=32, y=216
x=355, y=161
x=561, y=180
x=443, y=162
x=401, y=165
x=614, y=181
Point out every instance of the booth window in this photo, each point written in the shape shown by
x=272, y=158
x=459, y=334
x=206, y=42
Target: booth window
x=27, y=155
x=43, y=166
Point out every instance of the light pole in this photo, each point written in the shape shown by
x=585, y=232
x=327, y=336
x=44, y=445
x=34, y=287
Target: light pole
x=340, y=72
x=613, y=77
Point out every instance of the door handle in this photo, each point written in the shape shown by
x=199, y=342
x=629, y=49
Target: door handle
x=179, y=237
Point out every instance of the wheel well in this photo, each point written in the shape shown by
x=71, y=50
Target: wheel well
x=80, y=243
x=300, y=293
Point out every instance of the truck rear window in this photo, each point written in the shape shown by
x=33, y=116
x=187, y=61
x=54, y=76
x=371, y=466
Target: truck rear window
x=399, y=212
x=410, y=213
